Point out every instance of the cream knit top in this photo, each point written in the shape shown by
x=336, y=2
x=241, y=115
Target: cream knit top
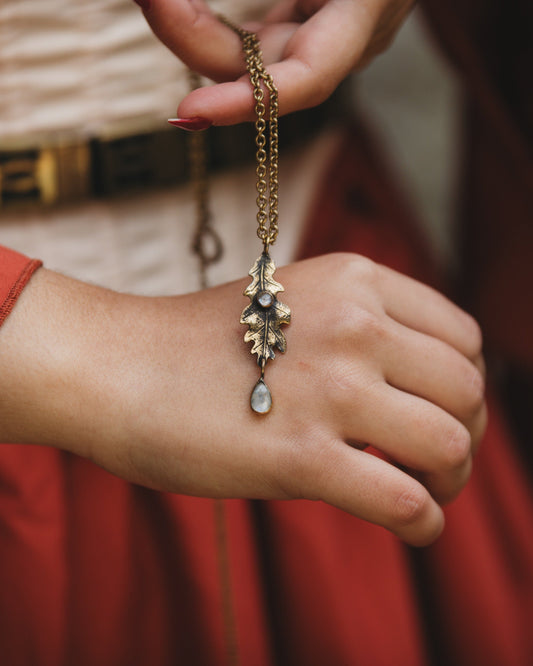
x=93, y=67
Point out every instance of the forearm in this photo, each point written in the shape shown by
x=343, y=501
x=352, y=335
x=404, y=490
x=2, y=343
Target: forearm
x=48, y=349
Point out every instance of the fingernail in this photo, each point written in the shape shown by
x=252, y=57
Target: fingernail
x=144, y=4
x=191, y=124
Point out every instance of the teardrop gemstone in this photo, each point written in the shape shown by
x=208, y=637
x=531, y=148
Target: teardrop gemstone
x=261, y=400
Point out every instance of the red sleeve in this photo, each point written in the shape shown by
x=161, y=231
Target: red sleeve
x=15, y=272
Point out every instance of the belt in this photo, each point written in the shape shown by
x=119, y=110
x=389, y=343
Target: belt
x=64, y=172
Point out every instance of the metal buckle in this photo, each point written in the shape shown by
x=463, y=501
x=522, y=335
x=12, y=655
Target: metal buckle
x=64, y=173
x=44, y=177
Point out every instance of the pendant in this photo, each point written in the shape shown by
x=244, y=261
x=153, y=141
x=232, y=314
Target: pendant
x=261, y=399
x=264, y=316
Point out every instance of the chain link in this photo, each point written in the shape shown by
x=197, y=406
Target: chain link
x=267, y=166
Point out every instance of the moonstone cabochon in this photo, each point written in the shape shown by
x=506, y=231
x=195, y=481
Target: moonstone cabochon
x=265, y=299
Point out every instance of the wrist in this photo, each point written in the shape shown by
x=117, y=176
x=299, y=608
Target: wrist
x=45, y=347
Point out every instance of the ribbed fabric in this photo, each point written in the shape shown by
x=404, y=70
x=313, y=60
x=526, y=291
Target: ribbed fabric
x=15, y=272
x=88, y=68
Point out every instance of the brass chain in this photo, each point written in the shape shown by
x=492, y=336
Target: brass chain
x=267, y=167
x=207, y=246
x=206, y=243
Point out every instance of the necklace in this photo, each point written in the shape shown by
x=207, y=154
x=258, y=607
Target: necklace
x=265, y=314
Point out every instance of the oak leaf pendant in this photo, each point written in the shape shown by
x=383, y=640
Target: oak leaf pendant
x=264, y=316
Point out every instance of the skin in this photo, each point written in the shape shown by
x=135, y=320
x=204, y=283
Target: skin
x=156, y=390
x=309, y=47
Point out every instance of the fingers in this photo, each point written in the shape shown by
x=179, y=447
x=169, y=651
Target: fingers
x=370, y=488
x=232, y=102
x=299, y=57
x=415, y=434
x=413, y=395
x=422, y=308
x=432, y=369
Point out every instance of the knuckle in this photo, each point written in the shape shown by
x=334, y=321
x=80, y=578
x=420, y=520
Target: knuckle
x=409, y=506
x=354, y=324
x=476, y=392
x=357, y=318
x=369, y=325
x=362, y=327
x=338, y=260
x=351, y=267
x=456, y=447
x=363, y=270
x=352, y=270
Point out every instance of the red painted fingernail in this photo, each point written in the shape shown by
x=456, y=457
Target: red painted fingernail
x=144, y=4
x=191, y=124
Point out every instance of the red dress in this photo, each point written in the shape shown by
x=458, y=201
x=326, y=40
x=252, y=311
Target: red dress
x=94, y=570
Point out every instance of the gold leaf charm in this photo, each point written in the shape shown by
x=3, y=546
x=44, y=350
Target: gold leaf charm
x=265, y=314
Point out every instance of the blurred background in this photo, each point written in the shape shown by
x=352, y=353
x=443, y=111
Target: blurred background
x=411, y=96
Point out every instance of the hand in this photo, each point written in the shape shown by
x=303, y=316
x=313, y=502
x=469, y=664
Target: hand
x=157, y=390
x=309, y=46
